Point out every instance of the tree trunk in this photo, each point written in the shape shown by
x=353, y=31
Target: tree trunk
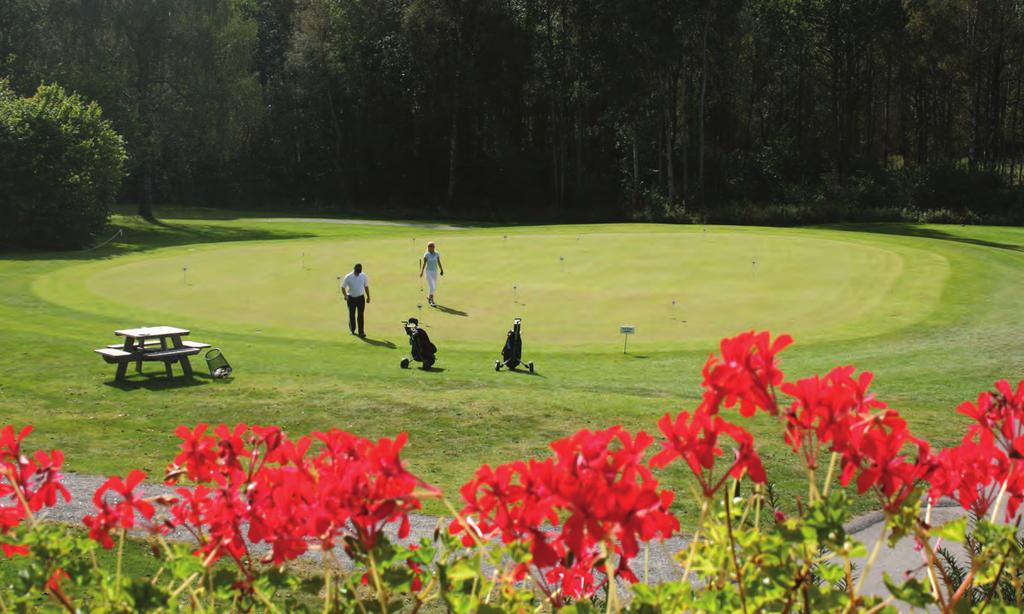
x=146, y=206
x=636, y=170
x=453, y=152
x=886, y=103
x=339, y=168
x=684, y=150
x=703, y=96
x=670, y=139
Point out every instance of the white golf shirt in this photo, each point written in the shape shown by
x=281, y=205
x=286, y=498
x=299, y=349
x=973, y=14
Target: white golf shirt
x=355, y=284
x=431, y=261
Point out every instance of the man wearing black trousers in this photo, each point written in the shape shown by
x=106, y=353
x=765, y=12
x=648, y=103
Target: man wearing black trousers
x=356, y=289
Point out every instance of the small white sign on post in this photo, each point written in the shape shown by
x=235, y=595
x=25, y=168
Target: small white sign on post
x=626, y=331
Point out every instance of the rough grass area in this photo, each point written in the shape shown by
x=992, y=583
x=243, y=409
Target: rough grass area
x=933, y=310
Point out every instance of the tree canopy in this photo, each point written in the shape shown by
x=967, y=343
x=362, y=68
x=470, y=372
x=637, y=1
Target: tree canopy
x=61, y=166
x=546, y=108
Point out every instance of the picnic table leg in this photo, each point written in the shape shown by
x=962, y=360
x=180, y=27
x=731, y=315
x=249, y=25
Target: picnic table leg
x=170, y=372
x=176, y=343
x=122, y=367
x=138, y=363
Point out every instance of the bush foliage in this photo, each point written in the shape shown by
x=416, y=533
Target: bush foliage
x=61, y=166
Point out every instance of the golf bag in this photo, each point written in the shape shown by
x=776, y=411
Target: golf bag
x=512, y=351
x=423, y=351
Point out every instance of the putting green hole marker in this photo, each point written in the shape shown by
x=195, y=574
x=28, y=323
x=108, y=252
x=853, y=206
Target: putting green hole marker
x=626, y=332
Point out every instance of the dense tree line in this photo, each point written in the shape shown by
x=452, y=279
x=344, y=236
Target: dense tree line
x=548, y=108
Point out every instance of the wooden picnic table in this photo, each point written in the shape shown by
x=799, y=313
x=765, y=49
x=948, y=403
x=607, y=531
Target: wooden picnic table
x=152, y=343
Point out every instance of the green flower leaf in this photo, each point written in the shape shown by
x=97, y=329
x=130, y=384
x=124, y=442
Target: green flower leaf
x=913, y=591
x=954, y=530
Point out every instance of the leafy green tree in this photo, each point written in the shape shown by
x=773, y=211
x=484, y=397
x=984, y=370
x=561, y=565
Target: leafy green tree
x=61, y=166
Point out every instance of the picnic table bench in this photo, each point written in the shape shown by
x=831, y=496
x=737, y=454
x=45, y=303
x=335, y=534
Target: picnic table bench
x=151, y=344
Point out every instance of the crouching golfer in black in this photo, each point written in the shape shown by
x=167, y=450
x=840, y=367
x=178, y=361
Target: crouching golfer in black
x=356, y=289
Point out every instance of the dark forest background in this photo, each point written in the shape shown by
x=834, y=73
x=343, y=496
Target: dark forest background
x=721, y=110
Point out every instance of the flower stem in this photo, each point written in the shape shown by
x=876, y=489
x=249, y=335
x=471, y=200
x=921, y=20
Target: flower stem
x=999, y=500
x=930, y=558
x=812, y=487
x=266, y=601
x=931, y=572
x=871, y=559
x=732, y=548
x=828, y=476
x=613, y=593
x=352, y=589
x=62, y=599
x=327, y=583
x=381, y=596
x=21, y=497
x=120, y=558
x=188, y=581
x=758, y=495
x=696, y=539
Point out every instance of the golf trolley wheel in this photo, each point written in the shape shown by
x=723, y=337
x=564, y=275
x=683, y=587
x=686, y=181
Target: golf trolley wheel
x=529, y=366
x=405, y=363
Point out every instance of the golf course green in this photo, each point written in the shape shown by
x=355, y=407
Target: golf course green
x=934, y=311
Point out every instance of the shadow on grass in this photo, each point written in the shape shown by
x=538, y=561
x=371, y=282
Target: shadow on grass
x=434, y=369
x=378, y=343
x=154, y=381
x=913, y=230
x=136, y=236
x=450, y=310
x=523, y=372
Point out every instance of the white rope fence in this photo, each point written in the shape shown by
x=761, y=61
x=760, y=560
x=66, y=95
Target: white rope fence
x=119, y=233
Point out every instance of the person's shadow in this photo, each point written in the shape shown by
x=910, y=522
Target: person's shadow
x=450, y=311
x=378, y=343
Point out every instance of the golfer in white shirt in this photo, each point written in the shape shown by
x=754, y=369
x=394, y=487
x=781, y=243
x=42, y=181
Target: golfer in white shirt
x=431, y=265
x=356, y=289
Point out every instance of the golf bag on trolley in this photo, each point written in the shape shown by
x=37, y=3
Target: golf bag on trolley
x=423, y=351
x=512, y=351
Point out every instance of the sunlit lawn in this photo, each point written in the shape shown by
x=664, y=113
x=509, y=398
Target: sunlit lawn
x=933, y=311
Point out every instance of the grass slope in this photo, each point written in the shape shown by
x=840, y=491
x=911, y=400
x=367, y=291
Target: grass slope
x=934, y=311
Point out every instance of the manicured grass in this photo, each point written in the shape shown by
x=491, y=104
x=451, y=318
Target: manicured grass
x=933, y=310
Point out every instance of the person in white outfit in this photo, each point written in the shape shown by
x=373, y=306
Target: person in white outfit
x=431, y=265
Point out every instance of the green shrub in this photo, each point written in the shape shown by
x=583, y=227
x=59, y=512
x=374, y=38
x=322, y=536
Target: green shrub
x=61, y=166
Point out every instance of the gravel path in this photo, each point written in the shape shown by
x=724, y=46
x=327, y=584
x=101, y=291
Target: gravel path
x=896, y=561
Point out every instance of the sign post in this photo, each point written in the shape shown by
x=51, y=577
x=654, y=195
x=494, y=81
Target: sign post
x=626, y=332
